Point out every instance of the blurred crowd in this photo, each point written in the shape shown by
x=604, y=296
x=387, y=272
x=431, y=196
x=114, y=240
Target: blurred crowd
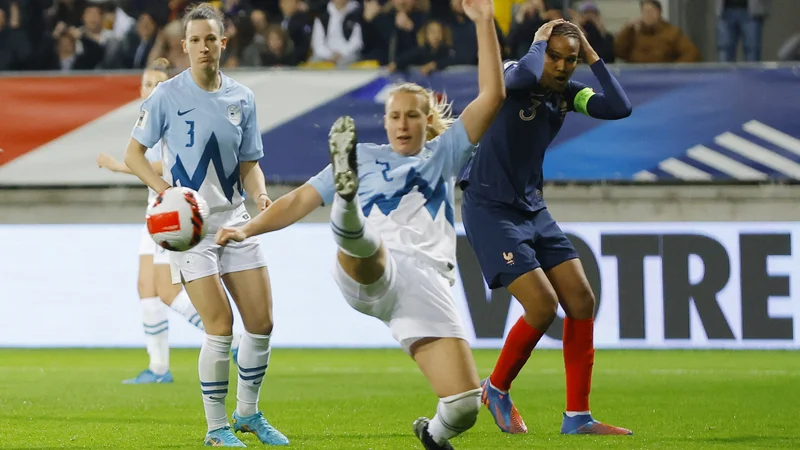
x=66, y=35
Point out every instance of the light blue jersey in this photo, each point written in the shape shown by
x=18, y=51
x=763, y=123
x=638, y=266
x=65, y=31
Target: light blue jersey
x=409, y=199
x=204, y=136
x=153, y=154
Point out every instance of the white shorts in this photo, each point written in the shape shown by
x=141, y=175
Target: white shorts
x=411, y=297
x=147, y=246
x=208, y=258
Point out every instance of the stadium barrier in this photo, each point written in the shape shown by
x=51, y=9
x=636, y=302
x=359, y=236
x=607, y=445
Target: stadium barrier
x=658, y=285
x=689, y=123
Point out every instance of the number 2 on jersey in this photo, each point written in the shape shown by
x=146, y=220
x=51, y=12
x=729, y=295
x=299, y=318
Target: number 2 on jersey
x=190, y=133
x=385, y=171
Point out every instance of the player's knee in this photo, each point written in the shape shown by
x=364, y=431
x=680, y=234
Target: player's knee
x=585, y=306
x=218, y=323
x=146, y=289
x=460, y=411
x=263, y=328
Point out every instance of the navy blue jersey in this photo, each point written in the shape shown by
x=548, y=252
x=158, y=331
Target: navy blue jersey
x=507, y=165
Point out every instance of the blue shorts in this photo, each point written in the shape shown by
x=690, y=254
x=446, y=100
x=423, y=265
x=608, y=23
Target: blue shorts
x=510, y=242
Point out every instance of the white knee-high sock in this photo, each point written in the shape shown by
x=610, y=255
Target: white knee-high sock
x=156, y=334
x=213, y=366
x=183, y=306
x=351, y=230
x=253, y=361
x=455, y=415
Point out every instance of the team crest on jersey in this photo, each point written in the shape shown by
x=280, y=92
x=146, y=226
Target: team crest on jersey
x=235, y=114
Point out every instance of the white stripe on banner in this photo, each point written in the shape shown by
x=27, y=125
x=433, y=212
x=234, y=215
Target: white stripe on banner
x=645, y=176
x=681, y=170
x=758, y=154
x=772, y=135
x=724, y=164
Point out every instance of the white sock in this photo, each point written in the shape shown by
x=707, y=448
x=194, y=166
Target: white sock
x=213, y=366
x=578, y=413
x=351, y=231
x=253, y=362
x=455, y=415
x=156, y=334
x=184, y=307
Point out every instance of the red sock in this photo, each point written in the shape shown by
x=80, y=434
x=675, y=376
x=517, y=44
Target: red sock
x=517, y=349
x=578, y=344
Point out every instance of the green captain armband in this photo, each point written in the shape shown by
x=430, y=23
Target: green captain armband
x=582, y=100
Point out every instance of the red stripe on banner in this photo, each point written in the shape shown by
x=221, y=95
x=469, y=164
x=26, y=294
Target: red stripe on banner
x=36, y=110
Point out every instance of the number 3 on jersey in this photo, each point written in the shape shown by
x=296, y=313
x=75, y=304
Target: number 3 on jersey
x=190, y=133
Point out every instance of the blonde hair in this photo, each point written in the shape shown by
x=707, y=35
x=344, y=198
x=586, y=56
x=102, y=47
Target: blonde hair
x=435, y=105
x=160, y=65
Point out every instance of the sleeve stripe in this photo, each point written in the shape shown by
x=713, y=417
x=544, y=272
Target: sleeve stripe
x=582, y=100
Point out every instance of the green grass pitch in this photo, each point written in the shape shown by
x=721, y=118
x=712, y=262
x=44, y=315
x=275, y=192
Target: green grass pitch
x=367, y=399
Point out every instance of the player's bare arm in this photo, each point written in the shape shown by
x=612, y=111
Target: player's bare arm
x=478, y=115
x=140, y=166
x=254, y=183
x=106, y=161
x=283, y=212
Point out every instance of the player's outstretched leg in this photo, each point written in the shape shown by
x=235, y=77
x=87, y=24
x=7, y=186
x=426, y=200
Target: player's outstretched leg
x=577, y=299
x=448, y=365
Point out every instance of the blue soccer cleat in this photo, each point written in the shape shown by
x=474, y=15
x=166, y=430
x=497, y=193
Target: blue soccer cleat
x=259, y=426
x=585, y=424
x=222, y=437
x=148, y=377
x=505, y=414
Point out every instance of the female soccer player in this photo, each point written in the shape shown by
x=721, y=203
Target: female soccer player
x=155, y=284
x=517, y=242
x=392, y=217
x=207, y=123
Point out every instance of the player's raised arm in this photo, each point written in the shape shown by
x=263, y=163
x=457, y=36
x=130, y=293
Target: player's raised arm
x=612, y=103
x=478, y=115
x=526, y=73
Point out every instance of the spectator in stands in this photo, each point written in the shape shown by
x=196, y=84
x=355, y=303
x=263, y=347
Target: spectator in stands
x=279, y=51
x=15, y=50
x=241, y=50
x=588, y=17
x=434, y=50
x=528, y=18
x=297, y=25
x=392, y=30
x=65, y=54
x=168, y=45
x=504, y=11
x=69, y=12
x=337, y=37
x=651, y=39
x=260, y=21
x=740, y=18
x=139, y=42
x=117, y=20
x=93, y=29
x=465, y=39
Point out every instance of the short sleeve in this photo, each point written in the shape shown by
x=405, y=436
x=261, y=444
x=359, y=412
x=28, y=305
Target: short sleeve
x=150, y=125
x=454, y=145
x=252, y=148
x=323, y=183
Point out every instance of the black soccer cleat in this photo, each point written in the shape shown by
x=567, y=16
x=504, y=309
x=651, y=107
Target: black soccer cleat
x=421, y=430
x=342, y=145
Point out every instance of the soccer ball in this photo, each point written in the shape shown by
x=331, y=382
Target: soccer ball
x=176, y=219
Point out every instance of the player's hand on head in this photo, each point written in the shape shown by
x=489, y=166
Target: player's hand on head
x=227, y=234
x=478, y=9
x=543, y=33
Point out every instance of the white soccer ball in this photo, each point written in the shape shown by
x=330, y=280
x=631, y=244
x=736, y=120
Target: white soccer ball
x=176, y=219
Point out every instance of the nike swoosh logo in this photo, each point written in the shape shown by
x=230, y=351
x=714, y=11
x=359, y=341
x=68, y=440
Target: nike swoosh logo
x=257, y=382
x=215, y=398
x=181, y=113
